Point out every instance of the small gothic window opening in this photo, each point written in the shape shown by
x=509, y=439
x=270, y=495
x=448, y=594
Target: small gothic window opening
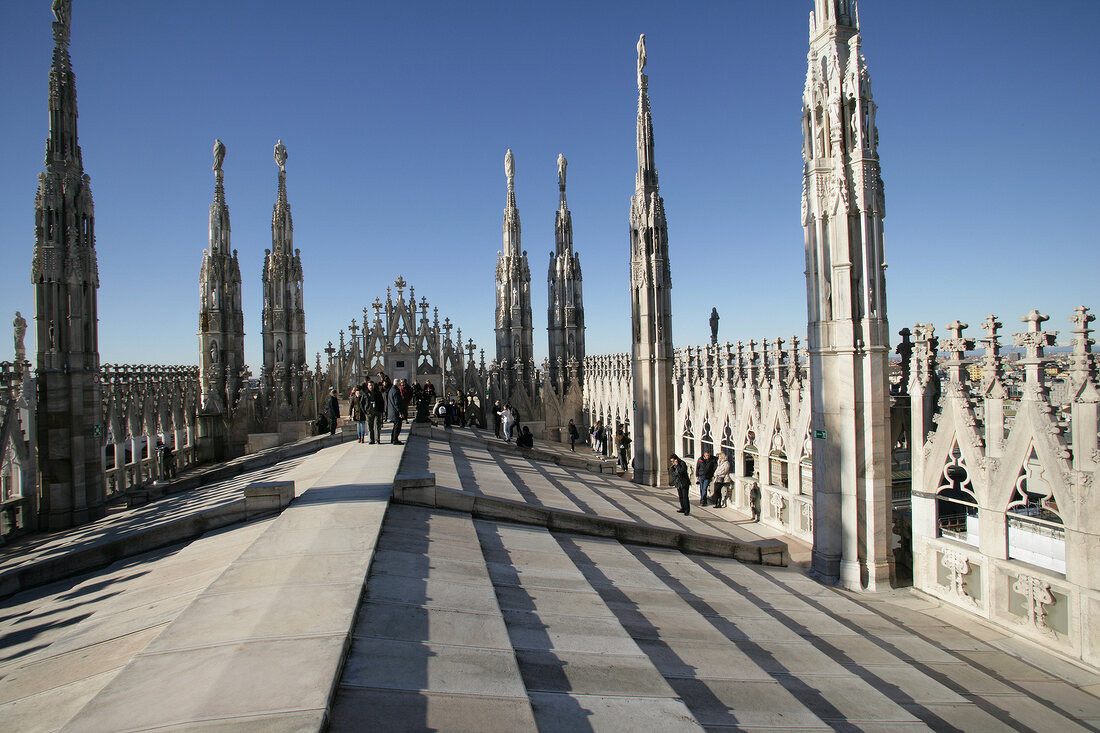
x=1034, y=527
x=689, y=440
x=956, y=502
x=748, y=460
x=727, y=443
x=778, y=465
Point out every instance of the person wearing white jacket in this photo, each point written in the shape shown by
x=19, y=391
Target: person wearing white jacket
x=721, y=477
x=507, y=422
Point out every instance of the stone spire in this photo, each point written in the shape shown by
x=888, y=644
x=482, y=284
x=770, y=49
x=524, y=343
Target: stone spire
x=221, y=319
x=284, y=321
x=65, y=278
x=515, y=333
x=651, y=305
x=565, y=316
x=833, y=14
x=848, y=334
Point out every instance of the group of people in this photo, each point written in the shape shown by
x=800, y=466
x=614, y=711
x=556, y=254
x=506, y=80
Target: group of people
x=599, y=436
x=713, y=476
x=368, y=405
x=462, y=411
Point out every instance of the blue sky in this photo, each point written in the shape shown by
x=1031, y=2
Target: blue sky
x=397, y=115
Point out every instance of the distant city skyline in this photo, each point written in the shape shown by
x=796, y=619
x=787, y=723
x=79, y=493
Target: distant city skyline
x=396, y=119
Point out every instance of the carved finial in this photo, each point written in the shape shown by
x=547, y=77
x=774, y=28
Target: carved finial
x=1081, y=363
x=642, y=60
x=1034, y=340
x=956, y=345
x=280, y=156
x=400, y=284
x=562, y=163
x=219, y=154
x=510, y=169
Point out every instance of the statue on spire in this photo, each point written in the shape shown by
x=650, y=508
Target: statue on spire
x=62, y=11
x=510, y=167
x=641, y=60
x=280, y=156
x=562, y=163
x=219, y=154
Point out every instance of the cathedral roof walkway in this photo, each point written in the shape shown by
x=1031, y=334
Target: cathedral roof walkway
x=570, y=485
x=351, y=612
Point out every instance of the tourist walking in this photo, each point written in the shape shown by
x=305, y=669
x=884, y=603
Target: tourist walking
x=358, y=413
x=721, y=476
x=574, y=435
x=395, y=412
x=333, y=410
x=375, y=403
x=678, y=477
x=704, y=474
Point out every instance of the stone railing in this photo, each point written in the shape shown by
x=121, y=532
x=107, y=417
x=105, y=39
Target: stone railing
x=608, y=394
x=752, y=401
x=143, y=405
x=1021, y=466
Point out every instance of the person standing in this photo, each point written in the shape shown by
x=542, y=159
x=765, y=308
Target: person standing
x=574, y=435
x=357, y=412
x=754, y=501
x=395, y=412
x=704, y=473
x=406, y=391
x=622, y=442
x=507, y=422
x=375, y=409
x=497, y=418
x=721, y=476
x=333, y=410
x=678, y=477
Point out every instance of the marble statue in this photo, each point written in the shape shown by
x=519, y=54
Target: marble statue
x=20, y=324
x=280, y=155
x=510, y=166
x=641, y=58
x=219, y=154
x=562, y=163
x=714, y=325
x=62, y=10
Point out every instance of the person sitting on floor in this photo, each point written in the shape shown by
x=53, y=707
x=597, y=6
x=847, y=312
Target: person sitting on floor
x=526, y=440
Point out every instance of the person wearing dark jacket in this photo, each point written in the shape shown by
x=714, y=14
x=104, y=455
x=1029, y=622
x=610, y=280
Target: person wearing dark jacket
x=497, y=407
x=704, y=473
x=376, y=407
x=574, y=436
x=358, y=413
x=678, y=477
x=395, y=412
x=333, y=410
x=525, y=440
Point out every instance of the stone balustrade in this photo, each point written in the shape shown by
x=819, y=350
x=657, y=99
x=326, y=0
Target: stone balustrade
x=1003, y=470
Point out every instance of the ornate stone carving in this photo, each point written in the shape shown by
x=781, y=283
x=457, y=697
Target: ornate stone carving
x=1037, y=597
x=958, y=567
